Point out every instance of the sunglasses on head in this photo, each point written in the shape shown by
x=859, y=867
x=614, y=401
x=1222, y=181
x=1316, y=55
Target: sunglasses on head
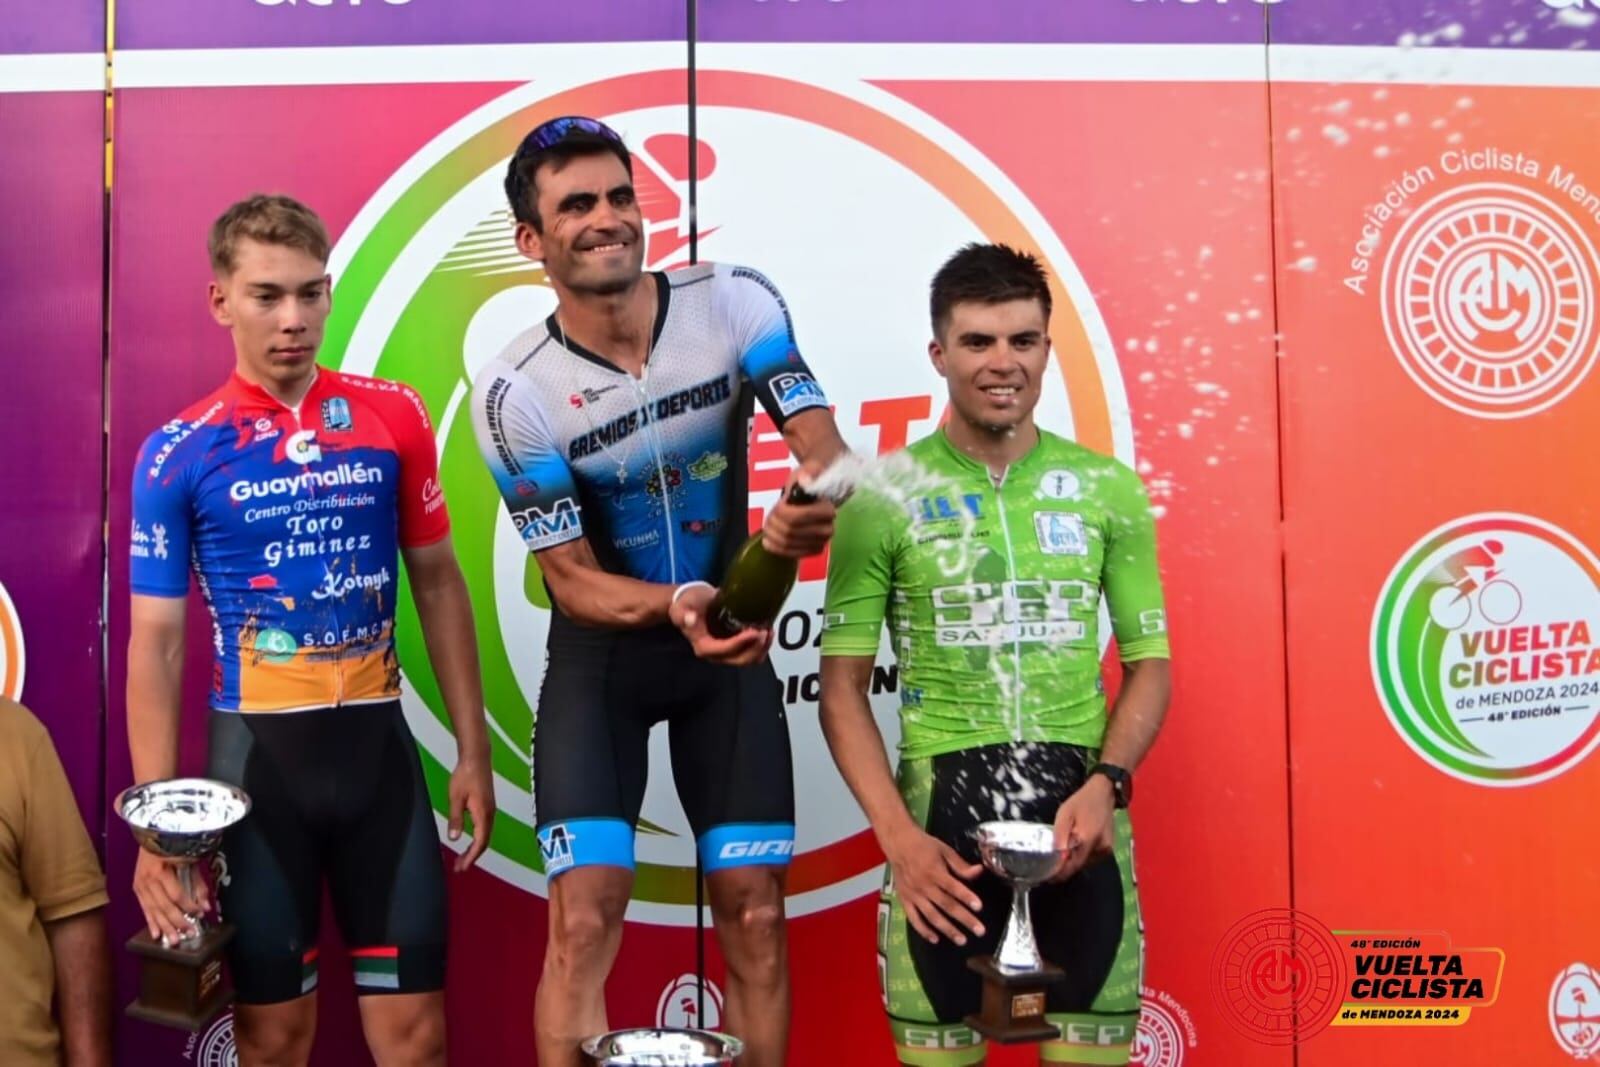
x=551, y=133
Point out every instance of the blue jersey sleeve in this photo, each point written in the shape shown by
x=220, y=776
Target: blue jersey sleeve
x=523, y=456
x=757, y=319
x=158, y=549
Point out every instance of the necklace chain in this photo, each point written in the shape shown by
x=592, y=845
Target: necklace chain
x=621, y=462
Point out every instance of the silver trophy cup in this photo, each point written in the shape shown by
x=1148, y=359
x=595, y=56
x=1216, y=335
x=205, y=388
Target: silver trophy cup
x=662, y=1048
x=1016, y=976
x=182, y=820
x=1024, y=854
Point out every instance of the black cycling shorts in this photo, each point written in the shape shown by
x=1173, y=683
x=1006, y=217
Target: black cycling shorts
x=603, y=691
x=337, y=796
x=1089, y=925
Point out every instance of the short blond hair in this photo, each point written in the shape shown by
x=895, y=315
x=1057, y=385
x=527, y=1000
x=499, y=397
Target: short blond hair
x=270, y=220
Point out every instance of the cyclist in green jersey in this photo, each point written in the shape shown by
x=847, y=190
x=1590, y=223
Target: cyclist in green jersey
x=990, y=576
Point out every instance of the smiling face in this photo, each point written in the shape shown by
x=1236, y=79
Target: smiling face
x=275, y=301
x=993, y=358
x=590, y=232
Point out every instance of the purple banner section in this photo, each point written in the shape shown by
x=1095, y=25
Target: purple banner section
x=1565, y=24
x=51, y=482
x=32, y=26
x=306, y=23
x=987, y=21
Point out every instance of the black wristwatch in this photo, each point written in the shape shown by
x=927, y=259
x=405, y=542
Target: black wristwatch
x=1121, y=782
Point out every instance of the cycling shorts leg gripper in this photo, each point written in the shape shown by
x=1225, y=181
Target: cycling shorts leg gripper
x=585, y=843
x=732, y=765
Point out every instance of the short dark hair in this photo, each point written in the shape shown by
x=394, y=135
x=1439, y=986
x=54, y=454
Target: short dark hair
x=557, y=142
x=987, y=274
x=268, y=220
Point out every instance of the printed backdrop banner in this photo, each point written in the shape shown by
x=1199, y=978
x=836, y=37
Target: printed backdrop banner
x=1386, y=630
x=1437, y=291
x=1163, y=339
x=50, y=301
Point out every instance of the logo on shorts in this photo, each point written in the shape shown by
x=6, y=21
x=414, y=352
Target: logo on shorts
x=1575, y=1011
x=336, y=413
x=1484, y=649
x=12, y=657
x=1059, y=485
x=302, y=447
x=1489, y=300
x=796, y=390
x=1165, y=1031
x=740, y=850
x=679, y=1006
x=555, y=845
x=1060, y=533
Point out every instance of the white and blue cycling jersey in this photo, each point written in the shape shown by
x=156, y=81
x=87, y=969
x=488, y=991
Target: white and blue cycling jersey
x=653, y=469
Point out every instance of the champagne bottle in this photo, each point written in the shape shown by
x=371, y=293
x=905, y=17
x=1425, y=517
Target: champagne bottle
x=755, y=586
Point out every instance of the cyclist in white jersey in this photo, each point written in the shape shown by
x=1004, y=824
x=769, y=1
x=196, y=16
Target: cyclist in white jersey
x=616, y=431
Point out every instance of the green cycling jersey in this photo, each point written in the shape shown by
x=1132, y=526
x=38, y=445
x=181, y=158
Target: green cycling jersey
x=993, y=592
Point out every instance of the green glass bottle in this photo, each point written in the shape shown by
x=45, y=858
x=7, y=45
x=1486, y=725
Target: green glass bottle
x=755, y=586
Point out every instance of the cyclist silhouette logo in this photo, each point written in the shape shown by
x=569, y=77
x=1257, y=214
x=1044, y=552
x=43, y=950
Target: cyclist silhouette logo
x=1484, y=649
x=1471, y=587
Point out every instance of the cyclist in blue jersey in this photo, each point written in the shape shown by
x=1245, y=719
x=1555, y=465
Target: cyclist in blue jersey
x=616, y=431
x=292, y=492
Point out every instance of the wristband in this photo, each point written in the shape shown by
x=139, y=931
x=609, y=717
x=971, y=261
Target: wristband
x=676, y=593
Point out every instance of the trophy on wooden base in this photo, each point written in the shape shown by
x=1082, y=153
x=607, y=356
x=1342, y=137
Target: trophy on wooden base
x=1016, y=977
x=182, y=820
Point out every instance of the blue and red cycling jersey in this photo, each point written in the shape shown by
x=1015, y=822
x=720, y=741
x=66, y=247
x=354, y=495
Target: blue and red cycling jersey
x=291, y=519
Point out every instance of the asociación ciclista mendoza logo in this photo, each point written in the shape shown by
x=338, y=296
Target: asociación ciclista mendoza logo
x=1489, y=300
x=1484, y=649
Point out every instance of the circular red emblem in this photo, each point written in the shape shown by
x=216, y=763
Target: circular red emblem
x=1278, y=976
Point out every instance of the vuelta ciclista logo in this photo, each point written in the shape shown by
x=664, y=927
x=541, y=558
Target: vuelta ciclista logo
x=1484, y=649
x=13, y=659
x=1489, y=300
x=431, y=288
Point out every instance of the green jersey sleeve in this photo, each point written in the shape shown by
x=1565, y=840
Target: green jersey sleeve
x=860, y=577
x=1130, y=575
